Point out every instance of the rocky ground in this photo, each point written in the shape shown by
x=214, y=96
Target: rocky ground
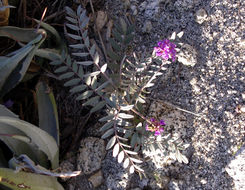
x=211, y=85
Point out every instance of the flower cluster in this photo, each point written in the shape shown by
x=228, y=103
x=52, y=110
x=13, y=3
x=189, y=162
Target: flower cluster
x=166, y=50
x=156, y=127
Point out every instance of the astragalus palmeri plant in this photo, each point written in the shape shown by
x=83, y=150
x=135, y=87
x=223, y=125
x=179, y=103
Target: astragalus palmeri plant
x=119, y=87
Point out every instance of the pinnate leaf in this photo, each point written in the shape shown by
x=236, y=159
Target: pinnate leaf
x=115, y=150
x=111, y=143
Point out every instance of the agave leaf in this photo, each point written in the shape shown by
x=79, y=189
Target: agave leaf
x=50, y=54
x=47, y=111
x=40, y=138
x=85, y=95
x=52, y=30
x=78, y=88
x=18, y=34
x=115, y=150
x=107, y=133
x=99, y=106
x=107, y=126
x=24, y=180
x=120, y=157
x=6, y=112
x=111, y=143
x=14, y=67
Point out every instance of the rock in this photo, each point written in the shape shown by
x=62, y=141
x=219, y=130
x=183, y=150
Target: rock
x=187, y=55
x=147, y=27
x=116, y=177
x=96, y=179
x=201, y=16
x=236, y=168
x=173, y=185
x=92, y=152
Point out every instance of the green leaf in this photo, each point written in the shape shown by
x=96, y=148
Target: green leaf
x=133, y=139
x=113, y=55
x=102, y=86
x=117, y=36
x=96, y=58
x=72, y=26
x=75, y=37
x=114, y=45
x=80, y=55
x=131, y=169
x=78, y=88
x=82, y=16
x=61, y=69
x=123, y=25
x=72, y=20
x=138, y=168
x=70, y=12
x=111, y=143
x=131, y=152
x=136, y=160
x=55, y=62
x=103, y=68
x=125, y=116
x=77, y=46
x=84, y=24
x=66, y=75
x=92, y=101
x=126, y=108
x=85, y=95
x=126, y=163
x=115, y=150
x=40, y=138
x=99, y=106
x=72, y=82
x=92, y=50
x=120, y=157
x=106, y=118
x=92, y=74
x=107, y=125
x=85, y=63
x=23, y=180
x=107, y=133
x=184, y=159
x=47, y=111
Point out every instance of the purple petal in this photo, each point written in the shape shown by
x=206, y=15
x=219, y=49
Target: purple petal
x=162, y=122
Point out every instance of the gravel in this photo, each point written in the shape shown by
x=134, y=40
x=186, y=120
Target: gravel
x=214, y=87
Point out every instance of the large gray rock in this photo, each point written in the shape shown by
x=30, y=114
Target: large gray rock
x=92, y=152
x=236, y=169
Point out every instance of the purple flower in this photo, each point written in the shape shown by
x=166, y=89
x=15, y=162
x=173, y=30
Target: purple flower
x=155, y=126
x=166, y=50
